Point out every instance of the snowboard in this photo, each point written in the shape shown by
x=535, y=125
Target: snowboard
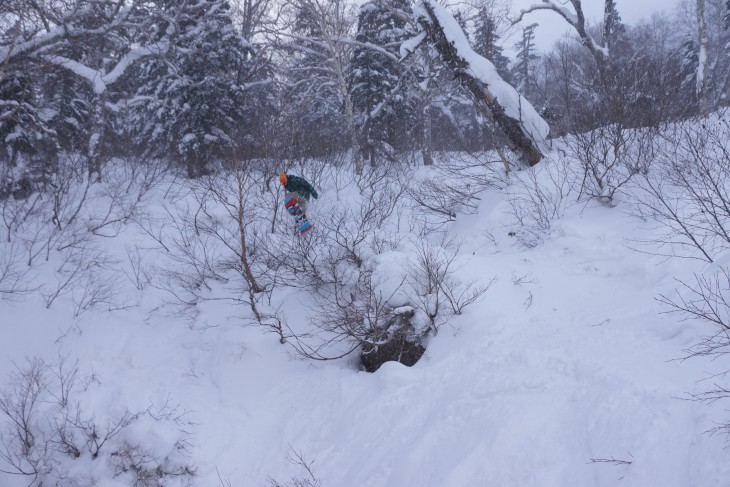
x=300, y=218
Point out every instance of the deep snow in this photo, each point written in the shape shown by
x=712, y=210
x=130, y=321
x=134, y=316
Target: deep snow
x=567, y=359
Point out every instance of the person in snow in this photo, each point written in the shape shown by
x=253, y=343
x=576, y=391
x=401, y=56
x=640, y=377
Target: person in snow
x=298, y=188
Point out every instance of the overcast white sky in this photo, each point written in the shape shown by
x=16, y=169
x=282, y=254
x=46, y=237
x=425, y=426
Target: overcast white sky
x=552, y=26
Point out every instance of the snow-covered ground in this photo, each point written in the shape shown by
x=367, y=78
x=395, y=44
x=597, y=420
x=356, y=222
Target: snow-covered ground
x=565, y=374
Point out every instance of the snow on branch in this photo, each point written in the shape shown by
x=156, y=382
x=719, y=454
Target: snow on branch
x=93, y=76
x=410, y=45
x=99, y=79
x=7, y=53
x=577, y=20
x=134, y=55
x=500, y=101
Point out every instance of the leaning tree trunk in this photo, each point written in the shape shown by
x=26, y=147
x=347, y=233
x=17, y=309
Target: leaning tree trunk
x=486, y=100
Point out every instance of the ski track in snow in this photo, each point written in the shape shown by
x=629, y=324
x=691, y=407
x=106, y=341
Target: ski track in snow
x=524, y=389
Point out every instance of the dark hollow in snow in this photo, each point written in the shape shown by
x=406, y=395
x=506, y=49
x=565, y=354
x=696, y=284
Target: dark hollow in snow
x=401, y=346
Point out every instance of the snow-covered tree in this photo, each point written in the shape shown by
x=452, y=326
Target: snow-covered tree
x=526, y=58
x=702, y=61
x=21, y=124
x=312, y=108
x=486, y=42
x=514, y=115
x=706, y=51
x=94, y=40
x=27, y=142
x=576, y=19
x=724, y=53
x=612, y=26
x=327, y=42
x=197, y=104
x=379, y=85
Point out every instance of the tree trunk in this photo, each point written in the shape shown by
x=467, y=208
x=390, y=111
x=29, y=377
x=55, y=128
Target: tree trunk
x=97, y=135
x=349, y=109
x=253, y=284
x=703, y=66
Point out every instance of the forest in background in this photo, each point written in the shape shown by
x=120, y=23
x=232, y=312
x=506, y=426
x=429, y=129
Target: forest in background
x=199, y=84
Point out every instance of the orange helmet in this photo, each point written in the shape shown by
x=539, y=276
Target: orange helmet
x=282, y=179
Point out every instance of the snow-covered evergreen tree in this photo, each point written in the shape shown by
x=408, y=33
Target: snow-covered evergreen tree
x=25, y=139
x=21, y=125
x=196, y=105
x=380, y=91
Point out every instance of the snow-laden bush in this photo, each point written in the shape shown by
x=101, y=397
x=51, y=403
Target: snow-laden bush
x=51, y=433
x=388, y=307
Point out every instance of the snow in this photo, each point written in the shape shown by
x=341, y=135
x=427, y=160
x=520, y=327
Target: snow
x=93, y=76
x=131, y=57
x=568, y=359
x=408, y=46
x=516, y=106
x=569, y=16
x=99, y=79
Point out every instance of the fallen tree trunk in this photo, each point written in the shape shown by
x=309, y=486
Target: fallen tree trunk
x=495, y=98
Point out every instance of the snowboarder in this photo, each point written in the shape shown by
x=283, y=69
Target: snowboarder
x=298, y=190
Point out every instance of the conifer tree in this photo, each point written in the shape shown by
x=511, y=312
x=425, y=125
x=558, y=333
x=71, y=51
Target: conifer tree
x=523, y=69
x=613, y=29
x=26, y=140
x=380, y=92
x=197, y=102
x=486, y=43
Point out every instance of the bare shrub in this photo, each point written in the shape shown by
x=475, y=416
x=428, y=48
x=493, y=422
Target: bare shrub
x=306, y=479
x=138, y=273
x=387, y=313
x=191, y=263
x=72, y=209
x=609, y=156
x=431, y=277
x=539, y=198
x=453, y=187
x=215, y=237
x=85, y=273
x=15, y=276
x=24, y=448
x=45, y=427
x=352, y=314
x=688, y=191
x=707, y=300
x=147, y=469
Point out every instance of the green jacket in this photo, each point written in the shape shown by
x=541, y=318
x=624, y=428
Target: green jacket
x=295, y=184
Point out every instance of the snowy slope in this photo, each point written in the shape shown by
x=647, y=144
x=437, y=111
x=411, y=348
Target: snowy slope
x=565, y=361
